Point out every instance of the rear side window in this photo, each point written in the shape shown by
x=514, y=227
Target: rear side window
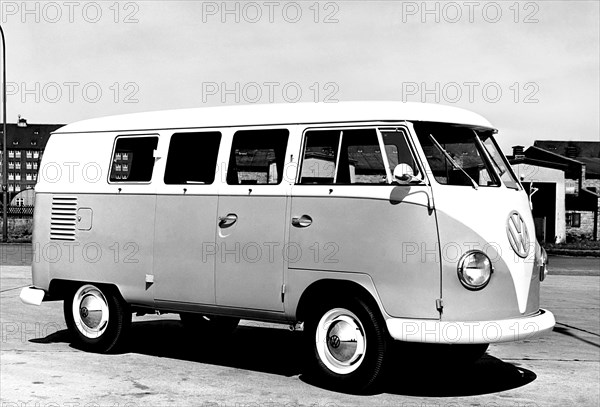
x=320, y=157
x=192, y=158
x=133, y=159
x=257, y=157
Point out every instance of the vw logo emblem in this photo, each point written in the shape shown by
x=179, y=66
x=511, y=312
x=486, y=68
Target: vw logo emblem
x=84, y=312
x=518, y=236
x=334, y=341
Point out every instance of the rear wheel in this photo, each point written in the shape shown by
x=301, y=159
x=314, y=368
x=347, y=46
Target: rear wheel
x=199, y=323
x=347, y=344
x=97, y=317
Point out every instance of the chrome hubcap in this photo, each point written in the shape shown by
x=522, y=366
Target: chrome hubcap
x=341, y=342
x=90, y=311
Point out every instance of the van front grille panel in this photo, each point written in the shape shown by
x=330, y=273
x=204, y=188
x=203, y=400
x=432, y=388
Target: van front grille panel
x=63, y=218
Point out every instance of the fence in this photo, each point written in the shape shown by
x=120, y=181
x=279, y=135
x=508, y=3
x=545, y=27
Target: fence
x=19, y=212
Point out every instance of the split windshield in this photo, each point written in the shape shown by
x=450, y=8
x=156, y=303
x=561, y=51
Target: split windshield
x=463, y=156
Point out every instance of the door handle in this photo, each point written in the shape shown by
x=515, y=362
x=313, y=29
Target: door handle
x=226, y=221
x=302, y=221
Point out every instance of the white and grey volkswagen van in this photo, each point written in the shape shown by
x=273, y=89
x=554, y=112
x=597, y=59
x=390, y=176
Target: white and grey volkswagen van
x=369, y=222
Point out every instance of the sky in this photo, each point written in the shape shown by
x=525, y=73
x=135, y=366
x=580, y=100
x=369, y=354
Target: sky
x=531, y=68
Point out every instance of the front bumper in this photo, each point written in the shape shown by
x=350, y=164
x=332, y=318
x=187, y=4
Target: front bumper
x=32, y=295
x=471, y=332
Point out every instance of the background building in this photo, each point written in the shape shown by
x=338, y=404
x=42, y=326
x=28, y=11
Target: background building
x=25, y=147
x=565, y=179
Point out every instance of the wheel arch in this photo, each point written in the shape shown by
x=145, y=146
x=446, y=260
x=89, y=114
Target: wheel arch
x=336, y=288
x=59, y=289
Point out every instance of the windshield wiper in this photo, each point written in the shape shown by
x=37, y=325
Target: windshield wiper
x=454, y=163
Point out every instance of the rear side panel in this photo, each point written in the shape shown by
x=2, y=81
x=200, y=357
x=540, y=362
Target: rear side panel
x=87, y=229
x=114, y=244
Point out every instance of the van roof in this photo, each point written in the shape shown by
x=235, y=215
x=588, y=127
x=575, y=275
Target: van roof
x=274, y=114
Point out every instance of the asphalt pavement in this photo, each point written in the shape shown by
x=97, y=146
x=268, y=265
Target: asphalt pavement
x=259, y=364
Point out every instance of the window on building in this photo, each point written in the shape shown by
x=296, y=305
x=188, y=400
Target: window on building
x=17, y=177
x=11, y=176
x=140, y=152
x=573, y=219
x=29, y=154
x=18, y=154
x=34, y=176
x=29, y=165
x=192, y=158
x=11, y=154
x=17, y=165
x=29, y=177
x=257, y=157
x=11, y=165
x=35, y=166
x=17, y=188
x=36, y=154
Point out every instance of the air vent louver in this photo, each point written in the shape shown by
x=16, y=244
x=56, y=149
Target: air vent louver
x=64, y=218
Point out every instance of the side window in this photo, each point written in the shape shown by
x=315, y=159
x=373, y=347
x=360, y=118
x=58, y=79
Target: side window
x=360, y=159
x=398, y=152
x=133, y=159
x=192, y=158
x=320, y=157
x=257, y=157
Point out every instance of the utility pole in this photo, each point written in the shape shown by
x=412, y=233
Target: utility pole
x=4, y=138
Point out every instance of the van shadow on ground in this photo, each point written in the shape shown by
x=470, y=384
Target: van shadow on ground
x=277, y=351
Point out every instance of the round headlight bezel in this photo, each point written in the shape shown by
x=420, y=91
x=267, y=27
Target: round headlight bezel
x=461, y=268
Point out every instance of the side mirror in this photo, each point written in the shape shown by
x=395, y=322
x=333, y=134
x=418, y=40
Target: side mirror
x=403, y=174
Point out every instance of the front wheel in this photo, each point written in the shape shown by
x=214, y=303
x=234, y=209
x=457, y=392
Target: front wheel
x=347, y=344
x=97, y=317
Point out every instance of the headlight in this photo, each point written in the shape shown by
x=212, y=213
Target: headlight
x=474, y=270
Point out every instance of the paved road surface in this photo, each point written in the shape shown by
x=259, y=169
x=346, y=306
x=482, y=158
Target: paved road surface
x=258, y=365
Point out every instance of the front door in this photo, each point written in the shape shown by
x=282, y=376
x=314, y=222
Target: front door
x=349, y=217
